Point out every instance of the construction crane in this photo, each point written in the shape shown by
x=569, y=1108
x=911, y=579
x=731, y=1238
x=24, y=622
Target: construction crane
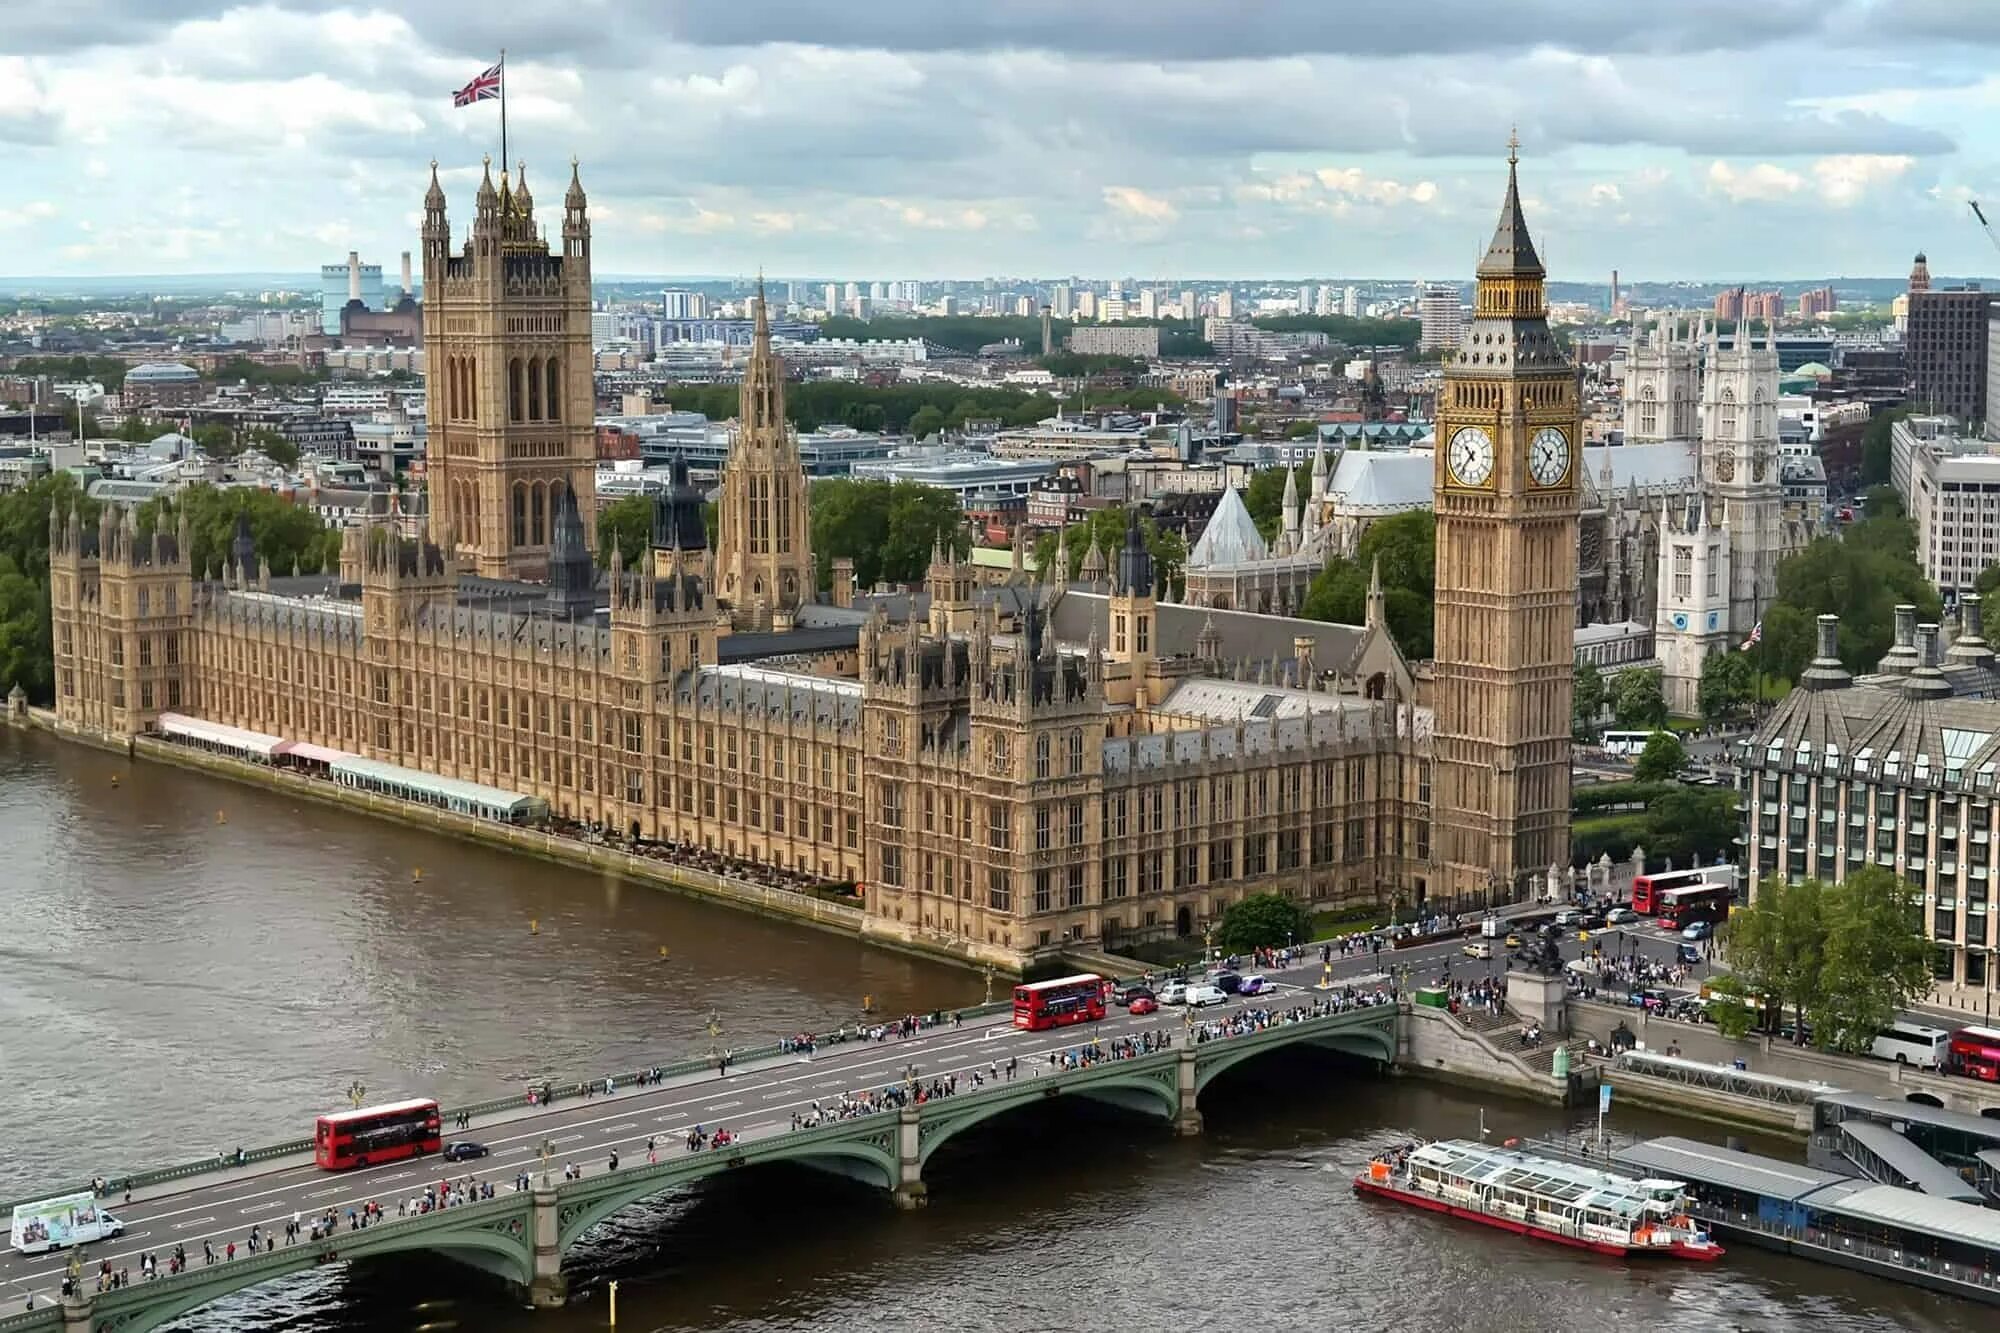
x=1991, y=235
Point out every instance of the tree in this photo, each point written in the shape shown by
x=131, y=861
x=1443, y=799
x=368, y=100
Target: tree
x=1692, y=824
x=1662, y=759
x=274, y=446
x=1777, y=945
x=888, y=529
x=1883, y=502
x=27, y=656
x=1263, y=921
x=625, y=524
x=1264, y=496
x=1638, y=700
x=1728, y=683
x=1586, y=699
x=1877, y=959
x=1730, y=1006
x=927, y=422
x=1860, y=578
x=1844, y=956
x=290, y=539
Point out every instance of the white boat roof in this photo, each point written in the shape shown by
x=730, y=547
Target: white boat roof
x=1576, y=1186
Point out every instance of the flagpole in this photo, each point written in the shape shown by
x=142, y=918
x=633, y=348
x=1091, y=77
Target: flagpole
x=504, y=166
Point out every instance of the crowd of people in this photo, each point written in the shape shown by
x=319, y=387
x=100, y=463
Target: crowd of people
x=1487, y=995
x=1245, y=1021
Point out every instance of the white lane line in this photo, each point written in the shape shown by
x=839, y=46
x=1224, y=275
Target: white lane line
x=629, y=1124
x=320, y=1194
x=724, y=1106
x=400, y=1175
x=568, y=1138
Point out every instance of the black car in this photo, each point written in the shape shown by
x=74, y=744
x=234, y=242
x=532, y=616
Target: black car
x=1592, y=920
x=464, y=1150
x=1127, y=991
x=1227, y=982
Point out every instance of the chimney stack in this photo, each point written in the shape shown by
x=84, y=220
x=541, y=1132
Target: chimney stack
x=1970, y=647
x=408, y=290
x=1826, y=671
x=1902, y=657
x=1925, y=680
x=354, y=275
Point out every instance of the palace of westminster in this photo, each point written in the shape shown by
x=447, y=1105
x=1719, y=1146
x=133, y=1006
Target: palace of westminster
x=1003, y=766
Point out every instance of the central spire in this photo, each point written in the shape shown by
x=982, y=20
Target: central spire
x=1511, y=252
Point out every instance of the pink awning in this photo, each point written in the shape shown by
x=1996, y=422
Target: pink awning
x=306, y=750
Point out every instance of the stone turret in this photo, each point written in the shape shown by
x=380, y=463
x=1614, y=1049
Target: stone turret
x=1826, y=671
x=1970, y=647
x=1902, y=657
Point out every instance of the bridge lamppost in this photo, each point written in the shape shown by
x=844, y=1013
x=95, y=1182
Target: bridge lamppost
x=714, y=1028
x=988, y=973
x=547, y=1151
x=357, y=1093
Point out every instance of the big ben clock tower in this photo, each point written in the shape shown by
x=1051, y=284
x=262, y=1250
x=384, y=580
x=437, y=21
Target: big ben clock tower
x=1509, y=451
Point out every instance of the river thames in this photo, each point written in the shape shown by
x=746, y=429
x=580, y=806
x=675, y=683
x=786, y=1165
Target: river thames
x=187, y=965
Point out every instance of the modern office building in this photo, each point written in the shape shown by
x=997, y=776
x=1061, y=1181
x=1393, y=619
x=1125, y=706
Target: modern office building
x=1442, y=311
x=1950, y=484
x=1945, y=351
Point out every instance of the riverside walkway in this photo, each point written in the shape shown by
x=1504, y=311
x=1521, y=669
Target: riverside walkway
x=873, y=1110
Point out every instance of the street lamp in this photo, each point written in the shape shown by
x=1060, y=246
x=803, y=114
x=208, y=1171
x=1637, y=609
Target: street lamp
x=357, y=1093
x=988, y=973
x=547, y=1151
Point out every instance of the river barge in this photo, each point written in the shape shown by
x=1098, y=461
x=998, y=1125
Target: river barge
x=1542, y=1198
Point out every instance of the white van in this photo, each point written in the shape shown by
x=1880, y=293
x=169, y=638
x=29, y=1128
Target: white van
x=52, y=1224
x=1200, y=997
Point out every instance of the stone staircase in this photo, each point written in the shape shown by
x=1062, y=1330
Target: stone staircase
x=1503, y=1031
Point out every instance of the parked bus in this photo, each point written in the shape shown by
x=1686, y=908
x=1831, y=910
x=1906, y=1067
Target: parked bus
x=1627, y=743
x=1975, y=1053
x=1690, y=903
x=1047, y=1004
x=1649, y=891
x=376, y=1134
x=1913, y=1044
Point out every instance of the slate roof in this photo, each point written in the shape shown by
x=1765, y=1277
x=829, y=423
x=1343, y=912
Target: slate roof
x=1231, y=536
x=1245, y=634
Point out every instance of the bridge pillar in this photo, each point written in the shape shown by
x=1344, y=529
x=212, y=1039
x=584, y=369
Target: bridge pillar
x=550, y=1289
x=910, y=1189
x=76, y=1314
x=1188, y=1119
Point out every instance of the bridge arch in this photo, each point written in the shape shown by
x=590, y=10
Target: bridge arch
x=1149, y=1090
x=870, y=1159
x=499, y=1245
x=1372, y=1042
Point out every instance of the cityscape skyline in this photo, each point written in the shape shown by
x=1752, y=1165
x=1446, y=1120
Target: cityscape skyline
x=1701, y=145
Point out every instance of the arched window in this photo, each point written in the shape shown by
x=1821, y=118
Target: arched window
x=514, y=389
x=540, y=527
x=1725, y=415
x=552, y=372
x=535, y=389
x=520, y=514
x=1758, y=407
x=1649, y=411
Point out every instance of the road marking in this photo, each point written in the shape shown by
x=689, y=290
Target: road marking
x=724, y=1106
x=195, y=1222
x=568, y=1138
x=320, y=1194
x=400, y=1175
x=629, y=1124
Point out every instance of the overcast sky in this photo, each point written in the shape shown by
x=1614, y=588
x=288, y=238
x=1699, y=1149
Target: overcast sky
x=928, y=138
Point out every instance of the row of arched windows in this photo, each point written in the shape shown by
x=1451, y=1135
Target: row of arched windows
x=458, y=384
x=534, y=511
x=534, y=389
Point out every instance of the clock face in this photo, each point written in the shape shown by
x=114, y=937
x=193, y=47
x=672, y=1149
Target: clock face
x=1680, y=620
x=1548, y=456
x=1471, y=456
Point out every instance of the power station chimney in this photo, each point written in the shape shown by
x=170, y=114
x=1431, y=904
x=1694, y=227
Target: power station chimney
x=354, y=275
x=408, y=290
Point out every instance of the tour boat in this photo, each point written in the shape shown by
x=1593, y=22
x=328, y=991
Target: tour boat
x=1541, y=1198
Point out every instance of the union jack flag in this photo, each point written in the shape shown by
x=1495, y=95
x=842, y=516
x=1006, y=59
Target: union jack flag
x=482, y=89
x=1756, y=637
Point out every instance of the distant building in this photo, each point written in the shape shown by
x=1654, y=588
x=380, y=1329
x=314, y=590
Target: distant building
x=1442, y=311
x=159, y=384
x=963, y=472
x=1816, y=302
x=1945, y=351
x=1947, y=483
x=1137, y=340
x=351, y=281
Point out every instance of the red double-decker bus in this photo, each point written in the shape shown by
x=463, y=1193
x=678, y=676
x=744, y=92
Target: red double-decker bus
x=376, y=1134
x=1975, y=1053
x=1649, y=891
x=1048, y=1004
x=1695, y=902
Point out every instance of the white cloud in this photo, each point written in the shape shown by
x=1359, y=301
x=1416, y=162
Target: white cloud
x=35, y=210
x=1761, y=181
x=1844, y=179
x=1137, y=203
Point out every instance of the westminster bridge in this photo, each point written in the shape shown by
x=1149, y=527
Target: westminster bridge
x=874, y=1110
